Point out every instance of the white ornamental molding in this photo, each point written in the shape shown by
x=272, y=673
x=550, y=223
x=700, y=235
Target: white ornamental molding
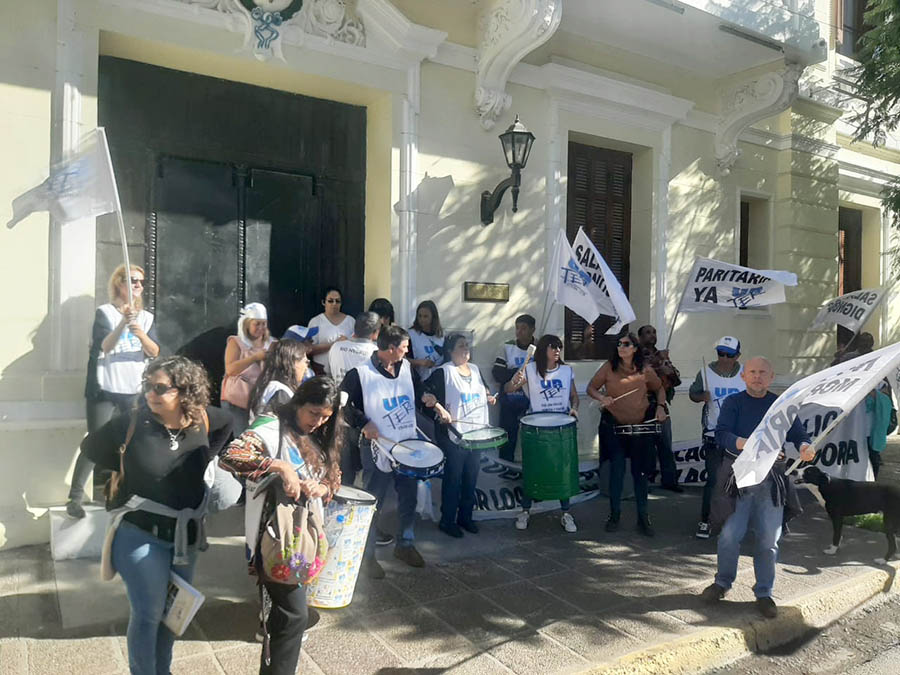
x=508, y=30
x=748, y=103
x=264, y=22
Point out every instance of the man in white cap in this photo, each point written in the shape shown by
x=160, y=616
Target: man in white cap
x=711, y=387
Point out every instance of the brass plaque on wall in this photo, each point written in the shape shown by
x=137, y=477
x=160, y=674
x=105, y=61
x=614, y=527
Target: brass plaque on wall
x=482, y=291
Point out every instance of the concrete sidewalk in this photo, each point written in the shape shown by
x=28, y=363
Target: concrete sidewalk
x=539, y=601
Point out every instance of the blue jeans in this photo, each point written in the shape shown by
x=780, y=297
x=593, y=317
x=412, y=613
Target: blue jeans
x=458, y=484
x=639, y=450
x=377, y=483
x=667, y=471
x=754, y=509
x=144, y=563
x=512, y=407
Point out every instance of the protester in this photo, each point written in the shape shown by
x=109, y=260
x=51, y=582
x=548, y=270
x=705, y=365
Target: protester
x=333, y=325
x=284, y=368
x=551, y=388
x=712, y=386
x=463, y=398
x=384, y=309
x=879, y=406
x=382, y=394
x=861, y=344
x=342, y=357
x=301, y=447
x=244, y=354
x=668, y=374
x=513, y=405
x=123, y=337
x=426, y=340
x=764, y=504
x=170, y=439
x=622, y=385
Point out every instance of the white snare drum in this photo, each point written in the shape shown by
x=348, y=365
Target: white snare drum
x=347, y=520
x=548, y=420
x=417, y=459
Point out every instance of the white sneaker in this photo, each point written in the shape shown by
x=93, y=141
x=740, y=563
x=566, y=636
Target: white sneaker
x=568, y=523
x=522, y=521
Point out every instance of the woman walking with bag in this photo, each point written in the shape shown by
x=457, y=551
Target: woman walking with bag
x=300, y=448
x=627, y=425
x=244, y=354
x=160, y=453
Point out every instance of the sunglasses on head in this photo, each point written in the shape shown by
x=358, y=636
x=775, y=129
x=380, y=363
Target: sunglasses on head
x=159, y=388
x=625, y=343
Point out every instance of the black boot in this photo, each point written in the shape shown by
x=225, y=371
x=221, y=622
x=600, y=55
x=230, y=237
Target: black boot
x=644, y=526
x=612, y=522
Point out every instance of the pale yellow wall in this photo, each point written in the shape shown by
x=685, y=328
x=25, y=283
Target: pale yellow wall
x=458, y=18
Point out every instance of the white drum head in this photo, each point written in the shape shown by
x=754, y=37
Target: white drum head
x=352, y=495
x=487, y=434
x=547, y=420
x=417, y=454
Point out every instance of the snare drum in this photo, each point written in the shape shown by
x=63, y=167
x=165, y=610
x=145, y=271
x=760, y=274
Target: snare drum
x=487, y=438
x=549, y=455
x=643, y=429
x=347, y=520
x=417, y=459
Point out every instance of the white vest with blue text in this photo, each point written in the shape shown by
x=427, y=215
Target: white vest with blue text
x=389, y=402
x=426, y=347
x=515, y=356
x=719, y=388
x=552, y=393
x=465, y=401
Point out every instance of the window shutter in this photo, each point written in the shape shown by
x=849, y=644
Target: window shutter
x=599, y=200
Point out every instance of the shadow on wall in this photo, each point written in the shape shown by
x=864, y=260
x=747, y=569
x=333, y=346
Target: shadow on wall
x=21, y=379
x=430, y=195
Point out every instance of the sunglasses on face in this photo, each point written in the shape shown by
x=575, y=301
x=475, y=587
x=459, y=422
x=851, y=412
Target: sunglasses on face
x=333, y=301
x=556, y=347
x=725, y=355
x=625, y=343
x=136, y=282
x=159, y=388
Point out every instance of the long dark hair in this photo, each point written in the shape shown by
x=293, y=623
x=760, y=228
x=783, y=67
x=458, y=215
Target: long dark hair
x=540, y=353
x=638, y=359
x=436, y=329
x=319, y=391
x=278, y=366
x=383, y=308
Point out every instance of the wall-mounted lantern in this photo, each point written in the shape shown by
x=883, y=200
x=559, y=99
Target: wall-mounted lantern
x=516, y=143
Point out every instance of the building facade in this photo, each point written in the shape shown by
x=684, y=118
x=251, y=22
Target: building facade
x=266, y=149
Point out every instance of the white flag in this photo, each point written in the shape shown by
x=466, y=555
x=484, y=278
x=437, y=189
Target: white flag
x=605, y=288
x=569, y=282
x=79, y=187
x=716, y=285
x=850, y=310
x=840, y=387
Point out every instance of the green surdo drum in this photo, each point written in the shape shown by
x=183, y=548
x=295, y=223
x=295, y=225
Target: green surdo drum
x=549, y=455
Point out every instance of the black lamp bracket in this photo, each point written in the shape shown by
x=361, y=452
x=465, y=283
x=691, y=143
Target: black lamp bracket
x=490, y=201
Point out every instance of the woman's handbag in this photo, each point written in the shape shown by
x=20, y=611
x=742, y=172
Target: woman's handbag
x=292, y=545
x=114, y=483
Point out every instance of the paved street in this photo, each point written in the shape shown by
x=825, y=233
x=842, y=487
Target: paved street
x=501, y=601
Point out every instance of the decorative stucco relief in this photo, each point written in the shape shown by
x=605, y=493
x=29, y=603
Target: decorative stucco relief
x=749, y=102
x=508, y=30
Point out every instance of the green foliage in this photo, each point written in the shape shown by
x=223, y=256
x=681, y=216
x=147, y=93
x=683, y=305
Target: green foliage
x=877, y=79
x=869, y=521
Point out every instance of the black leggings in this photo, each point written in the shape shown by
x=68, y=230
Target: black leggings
x=287, y=621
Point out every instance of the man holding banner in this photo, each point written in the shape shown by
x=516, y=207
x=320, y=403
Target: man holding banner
x=760, y=504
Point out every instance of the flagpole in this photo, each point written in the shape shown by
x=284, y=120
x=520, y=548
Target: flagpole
x=677, y=311
x=119, y=217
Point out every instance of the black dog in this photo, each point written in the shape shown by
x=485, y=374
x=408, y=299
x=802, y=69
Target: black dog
x=854, y=498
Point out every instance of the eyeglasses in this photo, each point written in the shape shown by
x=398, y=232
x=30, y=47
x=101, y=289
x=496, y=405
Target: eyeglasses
x=137, y=282
x=556, y=347
x=725, y=355
x=333, y=301
x=624, y=343
x=159, y=388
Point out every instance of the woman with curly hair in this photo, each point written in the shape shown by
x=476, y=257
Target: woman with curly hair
x=283, y=370
x=301, y=446
x=169, y=440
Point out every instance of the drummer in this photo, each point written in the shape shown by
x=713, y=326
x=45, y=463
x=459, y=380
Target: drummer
x=383, y=394
x=463, y=396
x=510, y=359
x=623, y=432
x=551, y=389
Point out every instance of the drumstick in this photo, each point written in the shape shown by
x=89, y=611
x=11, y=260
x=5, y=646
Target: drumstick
x=615, y=399
x=530, y=353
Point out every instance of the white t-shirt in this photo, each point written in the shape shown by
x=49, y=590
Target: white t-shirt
x=329, y=333
x=121, y=370
x=347, y=354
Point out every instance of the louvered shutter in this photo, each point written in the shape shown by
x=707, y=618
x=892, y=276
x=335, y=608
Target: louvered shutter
x=599, y=200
